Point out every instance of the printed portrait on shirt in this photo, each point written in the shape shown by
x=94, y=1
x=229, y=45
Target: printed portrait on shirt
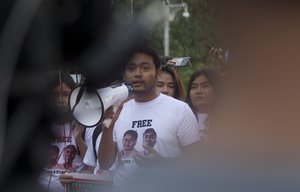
x=128, y=143
x=129, y=150
x=149, y=138
x=69, y=154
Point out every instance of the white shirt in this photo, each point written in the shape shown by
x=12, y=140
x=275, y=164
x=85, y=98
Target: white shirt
x=201, y=117
x=173, y=121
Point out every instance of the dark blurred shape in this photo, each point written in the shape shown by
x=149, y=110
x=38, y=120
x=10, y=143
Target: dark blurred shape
x=164, y=60
x=39, y=36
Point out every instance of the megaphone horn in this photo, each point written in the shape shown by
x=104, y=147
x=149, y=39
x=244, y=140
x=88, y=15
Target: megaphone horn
x=88, y=106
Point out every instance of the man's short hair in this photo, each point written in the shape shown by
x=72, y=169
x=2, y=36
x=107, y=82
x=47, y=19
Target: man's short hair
x=147, y=50
x=71, y=147
x=150, y=130
x=131, y=133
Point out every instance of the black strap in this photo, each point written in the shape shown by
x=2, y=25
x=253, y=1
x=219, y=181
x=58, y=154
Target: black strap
x=83, y=134
x=83, y=138
x=96, y=133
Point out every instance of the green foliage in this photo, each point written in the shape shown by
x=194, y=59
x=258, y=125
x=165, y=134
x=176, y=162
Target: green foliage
x=187, y=36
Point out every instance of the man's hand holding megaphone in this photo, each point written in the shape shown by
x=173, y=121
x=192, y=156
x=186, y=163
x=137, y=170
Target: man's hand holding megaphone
x=107, y=147
x=151, y=159
x=112, y=114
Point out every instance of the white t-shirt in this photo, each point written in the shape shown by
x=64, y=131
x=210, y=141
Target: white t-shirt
x=172, y=120
x=63, y=148
x=91, y=160
x=201, y=117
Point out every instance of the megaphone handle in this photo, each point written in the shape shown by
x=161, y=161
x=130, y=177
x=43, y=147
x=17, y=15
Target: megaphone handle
x=111, y=115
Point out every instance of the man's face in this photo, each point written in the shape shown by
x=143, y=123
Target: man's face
x=61, y=95
x=128, y=142
x=140, y=71
x=201, y=93
x=69, y=155
x=149, y=139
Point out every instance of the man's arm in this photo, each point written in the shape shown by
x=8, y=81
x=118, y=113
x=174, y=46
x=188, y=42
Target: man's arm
x=108, y=148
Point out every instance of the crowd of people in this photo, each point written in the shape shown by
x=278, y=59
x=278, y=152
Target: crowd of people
x=163, y=122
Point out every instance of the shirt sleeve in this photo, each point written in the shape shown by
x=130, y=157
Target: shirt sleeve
x=89, y=157
x=188, y=132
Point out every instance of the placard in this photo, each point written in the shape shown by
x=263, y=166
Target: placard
x=82, y=182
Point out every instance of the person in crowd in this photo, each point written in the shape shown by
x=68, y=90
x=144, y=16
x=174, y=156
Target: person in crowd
x=65, y=132
x=174, y=122
x=202, y=93
x=90, y=160
x=223, y=60
x=169, y=83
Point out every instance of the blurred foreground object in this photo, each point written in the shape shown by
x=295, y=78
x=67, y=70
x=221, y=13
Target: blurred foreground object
x=38, y=36
x=87, y=182
x=256, y=126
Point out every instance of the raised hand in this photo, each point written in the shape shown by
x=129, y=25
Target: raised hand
x=149, y=159
x=217, y=53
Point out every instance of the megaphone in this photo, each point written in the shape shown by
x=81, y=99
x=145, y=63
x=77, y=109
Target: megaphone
x=88, y=106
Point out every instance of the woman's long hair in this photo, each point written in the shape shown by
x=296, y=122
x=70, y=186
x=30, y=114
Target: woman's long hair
x=213, y=78
x=179, y=86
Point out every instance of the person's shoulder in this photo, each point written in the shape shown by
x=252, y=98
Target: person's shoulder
x=126, y=107
x=172, y=104
x=172, y=101
x=128, y=103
